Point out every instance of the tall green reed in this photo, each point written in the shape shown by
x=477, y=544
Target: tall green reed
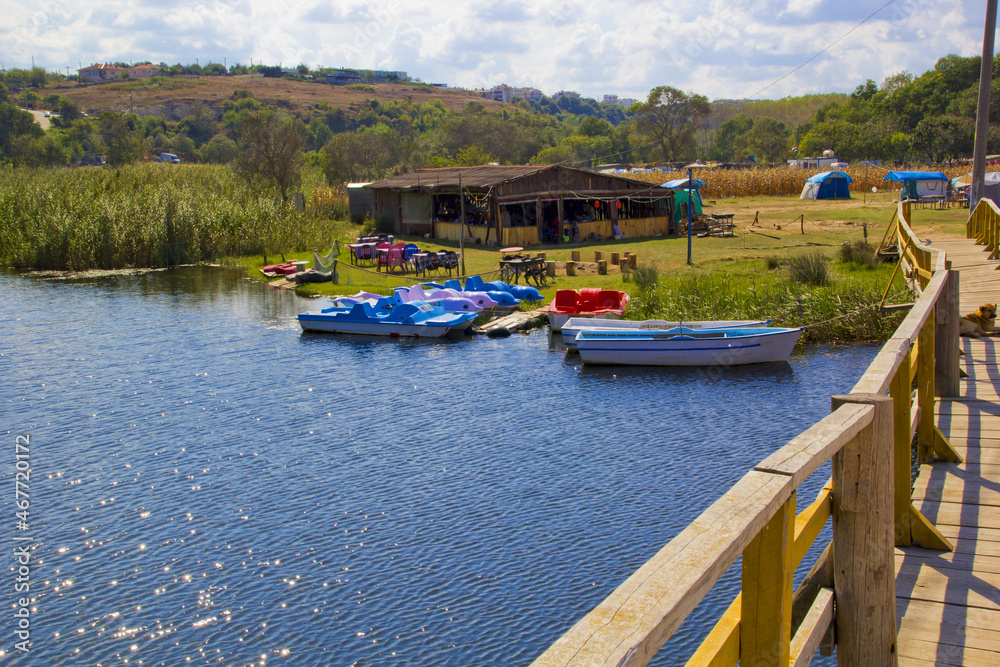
x=143, y=216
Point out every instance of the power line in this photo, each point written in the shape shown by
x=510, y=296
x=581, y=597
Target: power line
x=824, y=50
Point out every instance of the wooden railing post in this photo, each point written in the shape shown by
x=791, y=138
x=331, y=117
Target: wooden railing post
x=946, y=342
x=766, y=606
x=864, y=561
x=925, y=390
x=902, y=401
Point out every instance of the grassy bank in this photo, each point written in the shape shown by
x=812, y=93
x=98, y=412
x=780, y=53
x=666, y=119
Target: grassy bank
x=747, y=276
x=148, y=215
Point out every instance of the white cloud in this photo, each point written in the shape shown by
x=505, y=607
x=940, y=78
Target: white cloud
x=719, y=48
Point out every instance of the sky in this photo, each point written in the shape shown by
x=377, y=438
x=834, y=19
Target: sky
x=723, y=49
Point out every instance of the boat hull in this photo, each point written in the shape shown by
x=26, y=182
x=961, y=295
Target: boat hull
x=574, y=325
x=732, y=347
x=417, y=319
x=558, y=320
x=330, y=325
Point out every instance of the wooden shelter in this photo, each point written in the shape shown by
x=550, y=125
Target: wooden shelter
x=521, y=205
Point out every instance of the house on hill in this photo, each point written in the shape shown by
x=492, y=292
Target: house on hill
x=521, y=205
x=107, y=72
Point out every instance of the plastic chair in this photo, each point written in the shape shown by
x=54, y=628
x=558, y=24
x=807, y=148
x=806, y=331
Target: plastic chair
x=450, y=260
x=382, y=256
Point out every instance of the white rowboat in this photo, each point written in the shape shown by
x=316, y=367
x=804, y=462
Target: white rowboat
x=575, y=325
x=684, y=346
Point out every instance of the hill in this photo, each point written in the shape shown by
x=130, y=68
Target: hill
x=174, y=97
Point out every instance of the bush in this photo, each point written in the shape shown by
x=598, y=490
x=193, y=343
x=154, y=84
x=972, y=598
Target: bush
x=773, y=263
x=810, y=269
x=859, y=253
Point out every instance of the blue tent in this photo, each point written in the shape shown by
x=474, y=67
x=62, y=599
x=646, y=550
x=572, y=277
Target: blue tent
x=919, y=184
x=827, y=185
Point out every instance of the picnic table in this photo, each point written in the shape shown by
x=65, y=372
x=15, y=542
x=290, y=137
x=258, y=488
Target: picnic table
x=363, y=252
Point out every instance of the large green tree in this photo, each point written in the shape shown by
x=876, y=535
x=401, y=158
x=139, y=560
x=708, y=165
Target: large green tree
x=122, y=140
x=767, y=140
x=669, y=118
x=270, y=151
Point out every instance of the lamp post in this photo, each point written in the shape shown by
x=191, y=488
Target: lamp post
x=690, y=199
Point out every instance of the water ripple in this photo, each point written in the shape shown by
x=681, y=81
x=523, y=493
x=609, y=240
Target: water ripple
x=213, y=487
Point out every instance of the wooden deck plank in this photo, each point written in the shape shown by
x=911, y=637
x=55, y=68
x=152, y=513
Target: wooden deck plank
x=948, y=604
x=947, y=614
x=944, y=654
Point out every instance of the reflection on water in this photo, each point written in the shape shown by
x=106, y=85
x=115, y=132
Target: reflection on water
x=212, y=485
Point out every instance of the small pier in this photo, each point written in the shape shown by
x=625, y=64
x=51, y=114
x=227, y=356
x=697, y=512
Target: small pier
x=948, y=603
x=911, y=575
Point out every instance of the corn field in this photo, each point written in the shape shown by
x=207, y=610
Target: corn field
x=777, y=181
x=142, y=216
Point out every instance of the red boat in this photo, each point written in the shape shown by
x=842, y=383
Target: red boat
x=588, y=302
x=272, y=270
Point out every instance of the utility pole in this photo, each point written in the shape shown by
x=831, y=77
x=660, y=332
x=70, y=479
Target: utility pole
x=461, y=235
x=983, y=112
x=690, y=202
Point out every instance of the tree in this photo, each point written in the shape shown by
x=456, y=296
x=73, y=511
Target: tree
x=728, y=138
x=767, y=140
x=15, y=127
x=122, y=143
x=219, y=150
x=271, y=148
x=669, y=118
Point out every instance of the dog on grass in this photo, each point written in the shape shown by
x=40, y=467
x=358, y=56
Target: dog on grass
x=979, y=323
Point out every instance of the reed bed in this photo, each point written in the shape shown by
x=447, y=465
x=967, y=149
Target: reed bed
x=846, y=310
x=778, y=181
x=143, y=216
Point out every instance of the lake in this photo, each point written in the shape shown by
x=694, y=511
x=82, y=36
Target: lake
x=210, y=485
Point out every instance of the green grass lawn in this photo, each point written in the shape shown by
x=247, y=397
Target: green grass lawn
x=745, y=276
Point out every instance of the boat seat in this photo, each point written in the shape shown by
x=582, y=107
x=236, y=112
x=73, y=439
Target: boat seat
x=567, y=299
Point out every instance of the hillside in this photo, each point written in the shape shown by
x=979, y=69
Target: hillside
x=174, y=97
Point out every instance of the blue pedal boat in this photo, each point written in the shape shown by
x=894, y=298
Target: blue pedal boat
x=389, y=318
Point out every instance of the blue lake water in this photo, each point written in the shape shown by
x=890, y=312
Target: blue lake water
x=209, y=485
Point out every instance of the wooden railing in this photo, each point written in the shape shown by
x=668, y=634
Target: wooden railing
x=868, y=436
x=984, y=226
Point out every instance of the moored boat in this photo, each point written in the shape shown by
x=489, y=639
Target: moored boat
x=414, y=318
x=588, y=302
x=684, y=346
x=574, y=325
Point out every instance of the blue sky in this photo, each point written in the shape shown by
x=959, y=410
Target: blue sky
x=718, y=48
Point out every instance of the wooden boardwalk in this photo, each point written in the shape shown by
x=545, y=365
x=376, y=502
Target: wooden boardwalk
x=948, y=604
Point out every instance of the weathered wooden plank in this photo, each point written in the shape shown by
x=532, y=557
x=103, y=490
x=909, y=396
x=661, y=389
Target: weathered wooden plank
x=950, y=560
x=721, y=648
x=632, y=623
x=971, y=490
x=981, y=541
x=948, y=614
x=944, y=654
x=979, y=589
x=977, y=638
x=883, y=368
x=864, y=538
x=955, y=514
x=809, y=450
x=810, y=634
x=766, y=602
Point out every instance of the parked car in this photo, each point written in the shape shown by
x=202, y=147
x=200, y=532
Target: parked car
x=168, y=157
